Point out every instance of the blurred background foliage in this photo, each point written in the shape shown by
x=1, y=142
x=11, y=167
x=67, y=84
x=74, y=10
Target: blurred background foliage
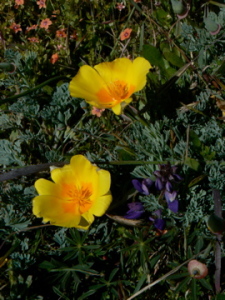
x=178, y=118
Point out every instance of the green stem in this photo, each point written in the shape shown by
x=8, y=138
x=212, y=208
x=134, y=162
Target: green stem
x=216, y=3
x=125, y=25
x=28, y=170
x=218, y=213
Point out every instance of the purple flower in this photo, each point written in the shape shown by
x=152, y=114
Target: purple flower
x=173, y=206
x=135, y=211
x=157, y=220
x=145, y=186
x=170, y=197
x=167, y=173
x=159, y=184
x=171, y=200
x=164, y=179
x=166, y=176
x=160, y=224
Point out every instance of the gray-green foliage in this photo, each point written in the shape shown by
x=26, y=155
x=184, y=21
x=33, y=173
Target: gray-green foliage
x=46, y=124
x=11, y=153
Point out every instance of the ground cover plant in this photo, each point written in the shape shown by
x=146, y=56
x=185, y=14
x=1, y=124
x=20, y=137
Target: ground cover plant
x=112, y=149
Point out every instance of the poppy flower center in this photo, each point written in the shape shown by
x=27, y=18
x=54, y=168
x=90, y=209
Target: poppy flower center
x=118, y=89
x=77, y=198
x=115, y=92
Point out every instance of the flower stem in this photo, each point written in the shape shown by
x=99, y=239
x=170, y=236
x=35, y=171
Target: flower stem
x=218, y=212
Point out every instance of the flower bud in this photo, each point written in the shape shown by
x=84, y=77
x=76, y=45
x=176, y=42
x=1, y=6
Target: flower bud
x=212, y=26
x=215, y=224
x=178, y=7
x=197, y=269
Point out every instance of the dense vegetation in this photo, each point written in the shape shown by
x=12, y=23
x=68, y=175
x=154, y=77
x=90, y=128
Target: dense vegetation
x=177, y=119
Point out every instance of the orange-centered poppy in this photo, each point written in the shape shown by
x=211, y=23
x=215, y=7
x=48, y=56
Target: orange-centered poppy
x=79, y=192
x=110, y=84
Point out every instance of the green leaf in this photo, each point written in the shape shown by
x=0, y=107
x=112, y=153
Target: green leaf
x=196, y=180
x=140, y=283
x=207, y=154
x=177, y=276
x=87, y=294
x=78, y=268
x=183, y=284
x=193, y=289
x=205, y=284
x=163, y=16
x=199, y=244
x=173, y=58
x=221, y=70
x=113, y=273
x=59, y=293
x=154, y=260
x=153, y=55
x=125, y=153
x=195, y=140
x=192, y=163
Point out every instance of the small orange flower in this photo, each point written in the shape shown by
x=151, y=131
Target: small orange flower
x=61, y=33
x=41, y=4
x=97, y=111
x=19, y=2
x=15, y=27
x=125, y=34
x=33, y=40
x=31, y=28
x=54, y=58
x=45, y=23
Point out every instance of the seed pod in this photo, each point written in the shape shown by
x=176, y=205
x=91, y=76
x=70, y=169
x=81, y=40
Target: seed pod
x=210, y=25
x=216, y=224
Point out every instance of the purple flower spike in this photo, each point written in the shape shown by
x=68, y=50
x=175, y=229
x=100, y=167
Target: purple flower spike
x=135, y=211
x=143, y=186
x=169, y=186
x=158, y=184
x=177, y=177
x=160, y=224
x=173, y=206
x=157, y=173
x=137, y=185
x=158, y=213
x=146, y=185
x=167, y=173
x=170, y=197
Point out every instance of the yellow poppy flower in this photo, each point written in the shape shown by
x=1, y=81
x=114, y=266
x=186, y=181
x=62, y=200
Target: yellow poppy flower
x=110, y=84
x=79, y=192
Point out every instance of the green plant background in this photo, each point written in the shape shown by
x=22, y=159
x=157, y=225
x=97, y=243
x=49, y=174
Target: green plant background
x=177, y=118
